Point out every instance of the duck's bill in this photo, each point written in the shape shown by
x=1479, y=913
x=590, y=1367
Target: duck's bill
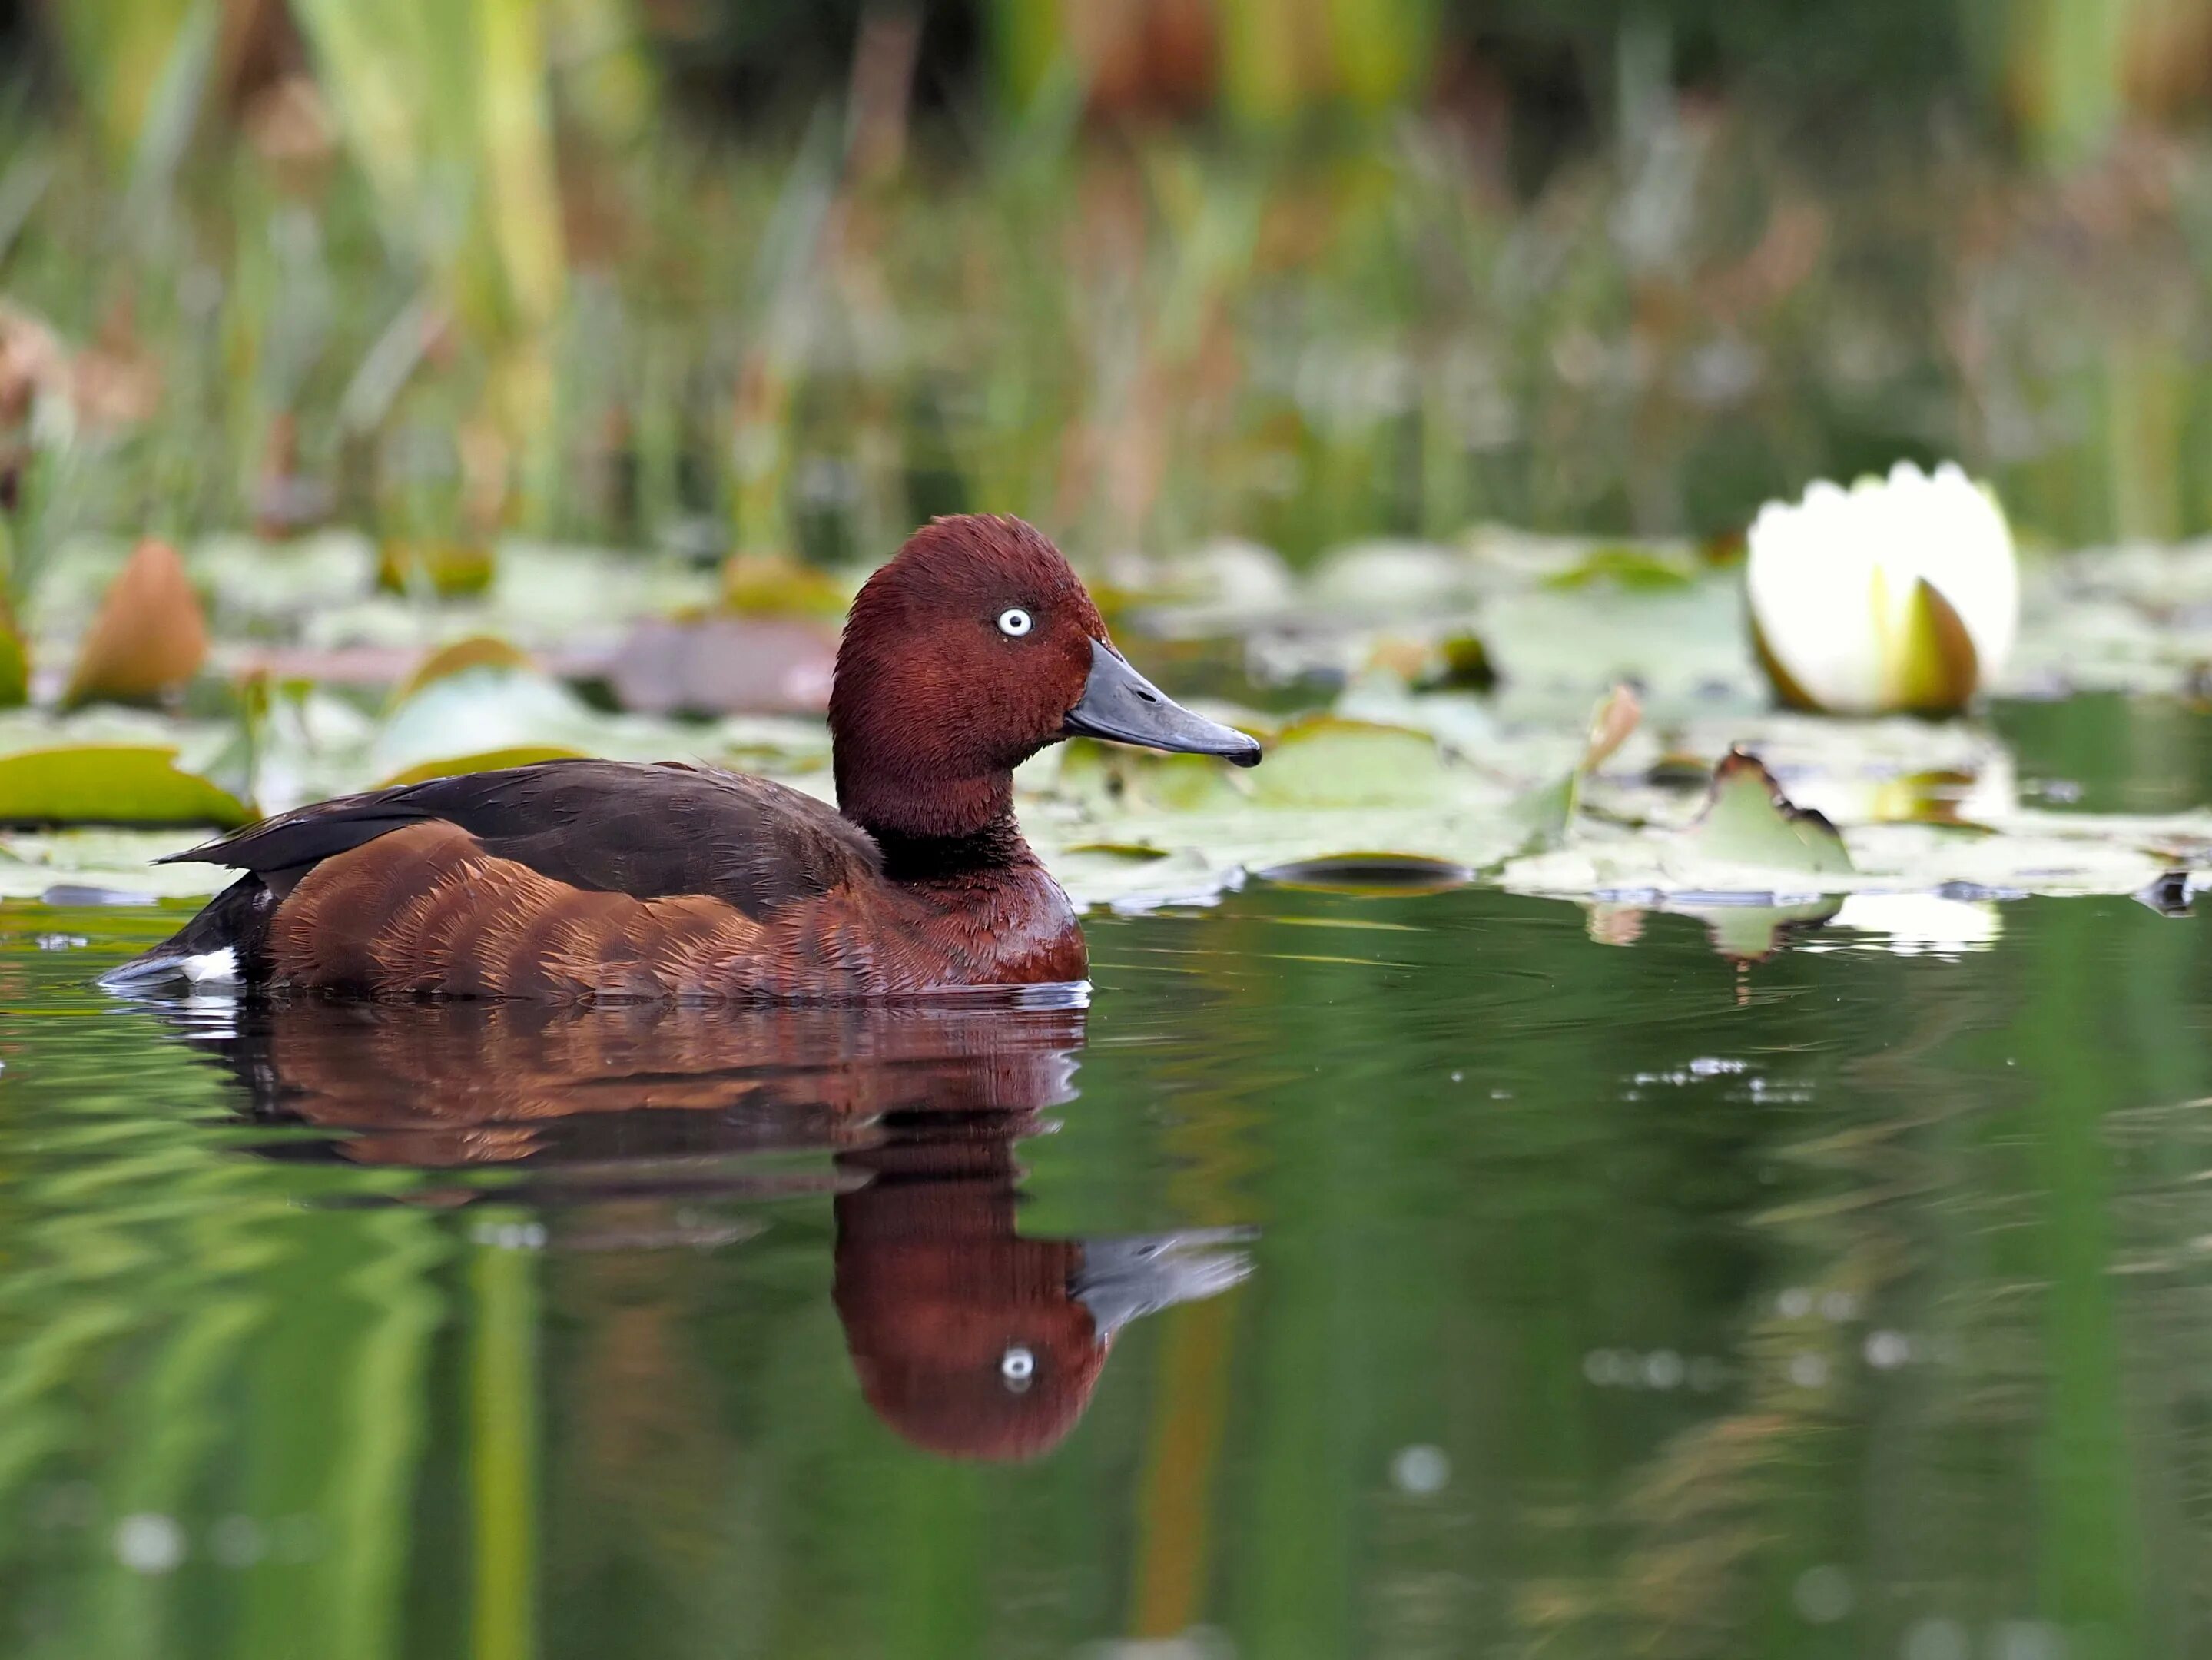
x=1119, y=703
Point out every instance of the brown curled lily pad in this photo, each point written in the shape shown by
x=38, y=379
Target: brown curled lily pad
x=149, y=638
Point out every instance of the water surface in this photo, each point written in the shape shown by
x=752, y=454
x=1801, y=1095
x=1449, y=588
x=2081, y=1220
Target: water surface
x=1526, y=1283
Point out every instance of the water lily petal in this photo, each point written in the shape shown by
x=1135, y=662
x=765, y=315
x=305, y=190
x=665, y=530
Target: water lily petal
x=1901, y=593
x=1810, y=576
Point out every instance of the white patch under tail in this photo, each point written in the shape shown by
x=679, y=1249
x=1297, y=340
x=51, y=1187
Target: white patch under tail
x=212, y=968
x=211, y=971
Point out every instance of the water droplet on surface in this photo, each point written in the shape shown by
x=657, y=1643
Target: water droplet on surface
x=1824, y=1594
x=237, y=1541
x=1808, y=1371
x=1886, y=1350
x=149, y=1543
x=1794, y=1304
x=1420, y=1469
x=1606, y=1367
x=1663, y=1369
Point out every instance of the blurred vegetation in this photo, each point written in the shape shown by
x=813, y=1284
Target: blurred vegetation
x=767, y=278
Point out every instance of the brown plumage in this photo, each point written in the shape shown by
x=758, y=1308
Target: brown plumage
x=972, y=649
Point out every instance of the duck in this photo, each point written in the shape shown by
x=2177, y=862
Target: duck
x=972, y=648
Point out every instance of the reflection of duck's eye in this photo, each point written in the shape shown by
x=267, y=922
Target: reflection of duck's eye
x=1017, y=1366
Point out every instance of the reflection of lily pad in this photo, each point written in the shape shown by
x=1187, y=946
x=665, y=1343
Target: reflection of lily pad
x=111, y=784
x=1751, y=933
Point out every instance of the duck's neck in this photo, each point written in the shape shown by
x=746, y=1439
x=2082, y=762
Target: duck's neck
x=943, y=832
x=996, y=847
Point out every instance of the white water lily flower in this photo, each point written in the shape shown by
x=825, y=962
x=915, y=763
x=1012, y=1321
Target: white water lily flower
x=1899, y=593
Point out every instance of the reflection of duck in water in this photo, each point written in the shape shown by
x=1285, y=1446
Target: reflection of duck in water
x=969, y=1339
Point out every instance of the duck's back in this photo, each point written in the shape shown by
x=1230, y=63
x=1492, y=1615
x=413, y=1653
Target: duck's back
x=563, y=879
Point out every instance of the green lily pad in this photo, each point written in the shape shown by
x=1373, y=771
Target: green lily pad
x=1748, y=821
x=111, y=784
x=484, y=760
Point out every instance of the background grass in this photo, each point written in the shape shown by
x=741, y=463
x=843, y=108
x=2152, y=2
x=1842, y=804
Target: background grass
x=757, y=277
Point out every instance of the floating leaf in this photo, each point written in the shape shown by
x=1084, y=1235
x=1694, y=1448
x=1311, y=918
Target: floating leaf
x=478, y=651
x=477, y=711
x=111, y=784
x=15, y=661
x=485, y=761
x=450, y=570
x=1748, y=821
x=1325, y=762
x=1549, y=809
x=771, y=585
x=34, y=864
x=1376, y=875
x=1629, y=566
x=149, y=638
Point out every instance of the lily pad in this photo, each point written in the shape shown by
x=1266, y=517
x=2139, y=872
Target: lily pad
x=15, y=661
x=478, y=651
x=111, y=784
x=1375, y=875
x=1748, y=822
x=522, y=755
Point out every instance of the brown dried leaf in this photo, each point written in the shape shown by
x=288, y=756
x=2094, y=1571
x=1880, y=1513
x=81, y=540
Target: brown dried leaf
x=149, y=637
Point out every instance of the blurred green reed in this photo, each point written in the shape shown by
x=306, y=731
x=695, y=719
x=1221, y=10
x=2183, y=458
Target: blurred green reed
x=448, y=269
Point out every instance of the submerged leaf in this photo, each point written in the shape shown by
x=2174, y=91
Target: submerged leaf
x=150, y=636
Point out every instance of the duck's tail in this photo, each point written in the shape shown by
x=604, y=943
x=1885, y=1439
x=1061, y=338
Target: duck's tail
x=219, y=947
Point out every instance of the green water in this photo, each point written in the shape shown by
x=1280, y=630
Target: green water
x=1602, y=1298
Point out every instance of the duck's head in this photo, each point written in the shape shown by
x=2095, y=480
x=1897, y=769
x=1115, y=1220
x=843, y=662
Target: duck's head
x=975, y=647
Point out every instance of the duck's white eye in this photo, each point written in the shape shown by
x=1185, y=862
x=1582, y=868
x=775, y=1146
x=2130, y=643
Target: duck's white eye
x=1017, y=1365
x=1014, y=622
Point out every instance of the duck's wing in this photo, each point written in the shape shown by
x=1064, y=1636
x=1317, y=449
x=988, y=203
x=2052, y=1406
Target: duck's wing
x=650, y=830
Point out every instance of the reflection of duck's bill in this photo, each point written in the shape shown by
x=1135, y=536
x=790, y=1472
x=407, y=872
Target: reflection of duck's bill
x=1122, y=1280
